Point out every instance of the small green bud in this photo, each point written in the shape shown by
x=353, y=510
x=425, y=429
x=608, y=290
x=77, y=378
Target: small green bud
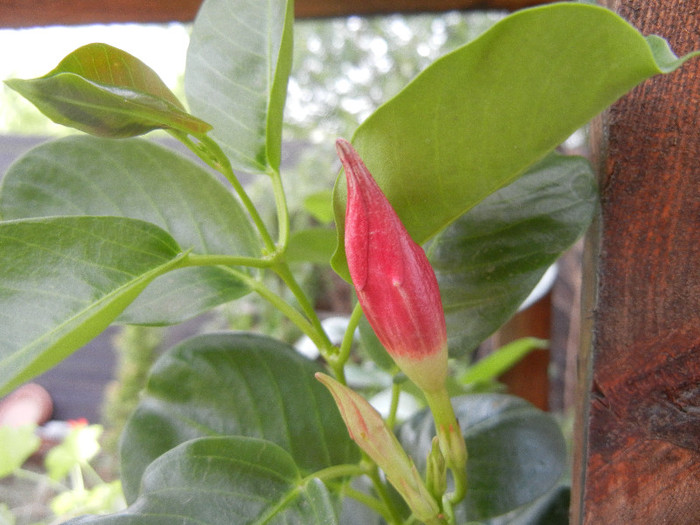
x=436, y=471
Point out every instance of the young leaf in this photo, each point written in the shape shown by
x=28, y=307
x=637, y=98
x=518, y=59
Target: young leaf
x=501, y=360
x=516, y=452
x=235, y=479
x=106, y=92
x=140, y=180
x=65, y=279
x=490, y=259
x=238, y=65
x=475, y=119
x=235, y=384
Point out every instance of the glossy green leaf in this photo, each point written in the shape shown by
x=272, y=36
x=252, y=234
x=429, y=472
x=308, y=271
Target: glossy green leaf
x=238, y=65
x=106, y=92
x=234, y=384
x=17, y=444
x=225, y=480
x=65, y=279
x=141, y=180
x=490, y=259
x=517, y=453
x=477, y=118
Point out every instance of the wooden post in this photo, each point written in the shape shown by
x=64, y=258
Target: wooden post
x=638, y=448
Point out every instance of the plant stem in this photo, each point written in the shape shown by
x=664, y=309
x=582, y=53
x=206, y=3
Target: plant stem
x=337, y=361
x=368, y=501
x=338, y=471
x=211, y=153
x=321, y=340
x=282, y=211
x=373, y=474
x=451, y=440
x=229, y=260
x=395, y=394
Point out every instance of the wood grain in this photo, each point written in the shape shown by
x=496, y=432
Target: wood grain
x=638, y=458
x=30, y=13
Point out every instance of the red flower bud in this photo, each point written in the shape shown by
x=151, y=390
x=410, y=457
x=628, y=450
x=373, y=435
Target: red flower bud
x=394, y=281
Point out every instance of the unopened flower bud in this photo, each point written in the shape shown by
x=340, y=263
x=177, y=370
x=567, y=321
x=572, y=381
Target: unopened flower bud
x=373, y=436
x=394, y=281
x=436, y=471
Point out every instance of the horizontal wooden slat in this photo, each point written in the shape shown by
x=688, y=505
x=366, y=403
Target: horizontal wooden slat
x=30, y=13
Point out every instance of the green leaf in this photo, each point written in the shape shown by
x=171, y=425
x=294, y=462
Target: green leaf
x=490, y=259
x=217, y=480
x=235, y=384
x=107, y=92
x=550, y=509
x=311, y=245
x=65, y=279
x=238, y=64
x=140, y=180
x=17, y=444
x=501, y=360
x=320, y=206
x=475, y=119
x=516, y=452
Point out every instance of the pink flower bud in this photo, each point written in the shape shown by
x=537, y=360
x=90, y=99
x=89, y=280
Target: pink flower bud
x=394, y=281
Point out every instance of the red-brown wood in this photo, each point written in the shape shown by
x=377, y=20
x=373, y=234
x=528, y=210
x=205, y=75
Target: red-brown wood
x=529, y=378
x=638, y=452
x=29, y=13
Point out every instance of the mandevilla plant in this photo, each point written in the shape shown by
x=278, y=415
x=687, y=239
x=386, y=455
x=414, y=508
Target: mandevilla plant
x=237, y=427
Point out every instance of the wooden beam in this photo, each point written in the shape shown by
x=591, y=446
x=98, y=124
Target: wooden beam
x=638, y=453
x=31, y=13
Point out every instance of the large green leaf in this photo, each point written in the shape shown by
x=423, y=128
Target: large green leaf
x=141, y=180
x=490, y=259
x=64, y=279
x=475, y=119
x=222, y=481
x=238, y=64
x=517, y=453
x=107, y=92
x=234, y=384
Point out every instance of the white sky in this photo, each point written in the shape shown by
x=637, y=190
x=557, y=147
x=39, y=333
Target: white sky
x=31, y=53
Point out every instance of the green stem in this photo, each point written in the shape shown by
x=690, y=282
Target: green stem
x=337, y=471
x=211, y=153
x=394, y=516
x=324, y=344
x=282, y=211
x=395, y=394
x=229, y=260
x=319, y=338
x=337, y=361
x=369, y=501
x=451, y=440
